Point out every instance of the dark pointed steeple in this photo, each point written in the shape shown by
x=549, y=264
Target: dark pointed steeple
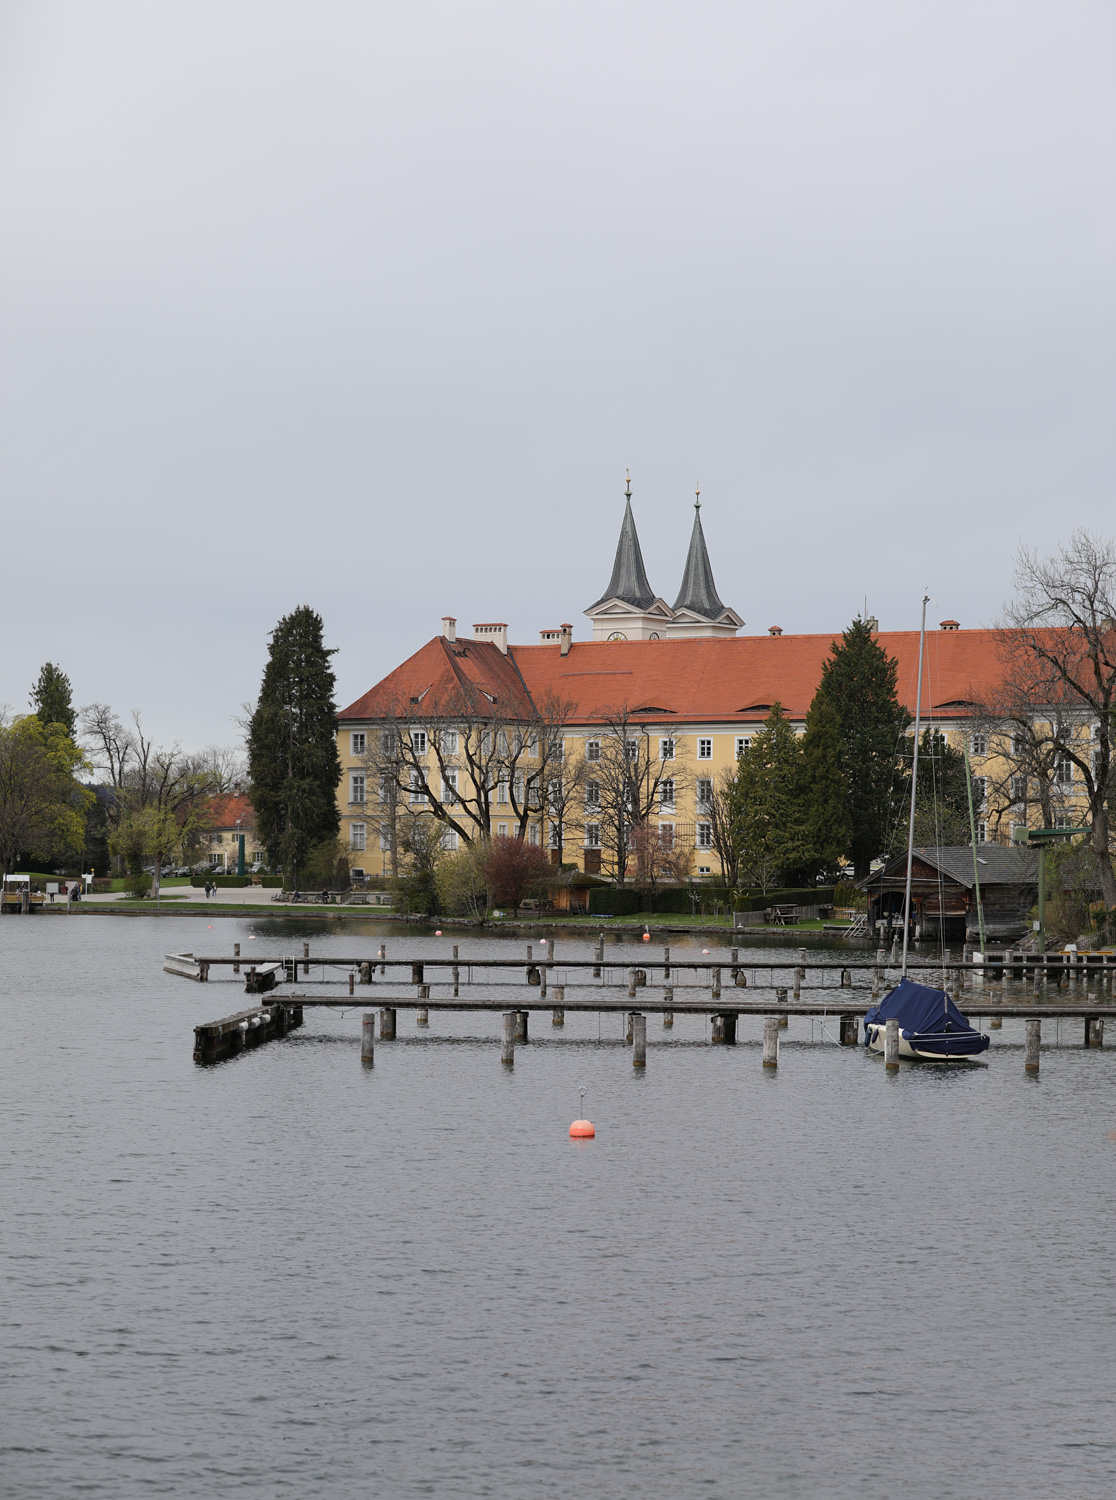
x=698, y=592
x=629, y=579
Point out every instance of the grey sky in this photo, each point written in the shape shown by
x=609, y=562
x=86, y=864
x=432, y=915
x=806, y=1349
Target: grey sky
x=370, y=306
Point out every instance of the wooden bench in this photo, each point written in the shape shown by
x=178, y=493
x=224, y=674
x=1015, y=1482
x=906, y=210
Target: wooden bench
x=784, y=916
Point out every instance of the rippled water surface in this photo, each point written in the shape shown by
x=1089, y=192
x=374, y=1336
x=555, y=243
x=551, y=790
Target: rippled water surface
x=287, y=1275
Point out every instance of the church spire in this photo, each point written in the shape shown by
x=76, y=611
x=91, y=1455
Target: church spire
x=698, y=592
x=629, y=578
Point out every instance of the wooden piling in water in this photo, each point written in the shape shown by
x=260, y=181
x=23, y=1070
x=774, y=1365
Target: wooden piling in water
x=717, y=1034
x=368, y=1038
x=383, y=955
x=781, y=999
x=728, y=1028
x=507, y=1037
x=891, y=1043
x=849, y=1033
x=521, y=1017
x=1094, y=1031
x=771, y=1041
x=668, y=999
x=366, y=973
x=716, y=984
x=422, y=1016
x=236, y=954
x=1032, y=1041
x=387, y=1024
x=558, y=1016
x=352, y=977
x=666, y=961
x=639, y=1040
x=305, y=958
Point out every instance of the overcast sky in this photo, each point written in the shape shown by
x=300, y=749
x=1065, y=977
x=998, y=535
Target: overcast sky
x=370, y=306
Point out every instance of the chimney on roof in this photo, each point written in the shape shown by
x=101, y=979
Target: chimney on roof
x=774, y=630
x=567, y=638
x=449, y=627
x=496, y=633
x=951, y=624
x=872, y=623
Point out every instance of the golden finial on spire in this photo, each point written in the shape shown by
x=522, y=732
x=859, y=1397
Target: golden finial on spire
x=628, y=491
x=697, y=497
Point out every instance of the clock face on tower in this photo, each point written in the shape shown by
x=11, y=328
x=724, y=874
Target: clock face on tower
x=654, y=636
x=618, y=635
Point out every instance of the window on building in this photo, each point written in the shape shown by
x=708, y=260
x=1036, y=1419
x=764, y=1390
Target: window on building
x=449, y=788
x=357, y=742
x=533, y=834
x=666, y=835
x=387, y=791
x=704, y=791
x=592, y=794
x=704, y=838
x=978, y=742
x=216, y=860
x=592, y=835
x=1063, y=768
x=385, y=838
x=1018, y=744
x=502, y=793
x=705, y=870
x=417, y=793
x=666, y=749
x=555, y=835
x=418, y=741
x=980, y=789
x=743, y=742
x=486, y=742
x=447, y=741
x=387, y=741
x=705, y=750
x=502, y=830
x=358, y=837
x=356, y=787
x=1064, y=820
x=666, y=795
x=533, y=745
x=518, y=788
x=502, y=743
x=449, y=839
x=592, y=749
x=631, y=748
x=1019, y=789
x=982, y=833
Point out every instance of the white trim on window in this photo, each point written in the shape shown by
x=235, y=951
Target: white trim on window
x=705, y=749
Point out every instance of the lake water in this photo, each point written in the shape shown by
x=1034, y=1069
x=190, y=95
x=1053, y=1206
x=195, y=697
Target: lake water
x=287, y=1275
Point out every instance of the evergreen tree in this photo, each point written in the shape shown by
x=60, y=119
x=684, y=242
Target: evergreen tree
x=942, y=800
x=51, y=698
x=766, y=804
x=824, y=796
x=859, y=679
x=293, y=763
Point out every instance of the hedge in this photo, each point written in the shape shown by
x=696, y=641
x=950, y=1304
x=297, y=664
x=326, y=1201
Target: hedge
x=627, y=900
x=235, y=882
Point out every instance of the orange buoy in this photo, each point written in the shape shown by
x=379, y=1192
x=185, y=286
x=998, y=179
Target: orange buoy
x=438, y=933
x=582, y=1130
x=646, y=937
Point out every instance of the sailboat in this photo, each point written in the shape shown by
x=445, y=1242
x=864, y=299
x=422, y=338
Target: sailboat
x=930, y=1025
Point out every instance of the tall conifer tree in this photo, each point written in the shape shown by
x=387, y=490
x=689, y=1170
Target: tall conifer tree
x=293, y=763
x=859, y=679
x=52, y=698
x=824, y=789
x=766, y=803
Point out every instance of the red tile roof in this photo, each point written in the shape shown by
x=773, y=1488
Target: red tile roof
x=222, y=812
x=695, y=681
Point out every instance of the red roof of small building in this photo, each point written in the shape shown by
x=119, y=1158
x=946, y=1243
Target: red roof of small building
x=710, y=680
x=222, y=812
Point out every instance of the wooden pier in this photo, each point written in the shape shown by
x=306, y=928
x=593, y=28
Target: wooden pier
x=722, y=990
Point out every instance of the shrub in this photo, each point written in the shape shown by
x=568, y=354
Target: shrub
x=138, y=885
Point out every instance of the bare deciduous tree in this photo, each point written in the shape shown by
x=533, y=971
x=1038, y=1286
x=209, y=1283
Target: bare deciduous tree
x=1058, y=645
x=631, y=778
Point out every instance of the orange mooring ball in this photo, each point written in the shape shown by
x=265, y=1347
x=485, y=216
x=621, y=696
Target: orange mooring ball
x=646, y=937
x=582, y=1130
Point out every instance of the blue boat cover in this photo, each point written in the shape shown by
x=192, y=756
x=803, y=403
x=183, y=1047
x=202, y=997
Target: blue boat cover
x=918, y=1009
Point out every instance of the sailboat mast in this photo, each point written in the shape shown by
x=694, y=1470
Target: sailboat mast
x=914, y=786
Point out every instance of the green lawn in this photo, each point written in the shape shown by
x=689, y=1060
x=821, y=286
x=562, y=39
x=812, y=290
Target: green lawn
x=121, y=882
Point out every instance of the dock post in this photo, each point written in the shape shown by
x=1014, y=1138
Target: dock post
x=423, y=992
x=734, y=955
x=236, y=954
x=799, y=975
x=366, y=973
x=995, y=1023
x=668, y=999
x=598, y=956
x=416, y=974
x=521, y=1025
x=716, y=984
x=558, y=1017
x=387, y=1024
x=718, y=1033
x=728, y=1025
x=1094, y=1031
x=628, y=1027
x=639, y=1040
x=352, y=977
x=891, y=1043
x=203, y=972
x=666, y=961
x=422, y=1015
x=305, y=956
x=507, y=1039
x=530, y=952
x=456, y=973
x=1031, y=1043
x=846, y=979
x=383, y=955
x=849, y=1031
x=781, y=999
x=631, y=984
x=771, y=1041
x=542, y=979
x=368, y=1037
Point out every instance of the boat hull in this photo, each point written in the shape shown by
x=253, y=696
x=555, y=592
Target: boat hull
x=934, y=1046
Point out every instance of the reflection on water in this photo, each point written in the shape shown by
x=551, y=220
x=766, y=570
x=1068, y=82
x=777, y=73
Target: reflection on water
x=288, y=1275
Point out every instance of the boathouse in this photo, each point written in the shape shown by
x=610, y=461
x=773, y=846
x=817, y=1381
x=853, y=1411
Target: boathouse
x=943, y=891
